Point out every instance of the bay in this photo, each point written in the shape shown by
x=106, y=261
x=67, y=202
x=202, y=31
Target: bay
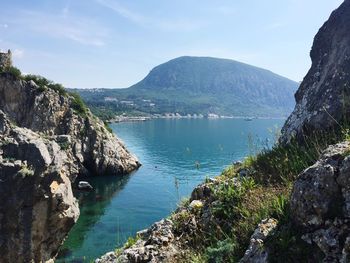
x=177, y=155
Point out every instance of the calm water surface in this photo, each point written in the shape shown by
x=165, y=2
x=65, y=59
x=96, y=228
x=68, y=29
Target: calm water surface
x=176, y=155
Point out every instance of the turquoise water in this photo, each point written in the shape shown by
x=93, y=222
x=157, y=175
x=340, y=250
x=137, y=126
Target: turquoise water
x=176, y=155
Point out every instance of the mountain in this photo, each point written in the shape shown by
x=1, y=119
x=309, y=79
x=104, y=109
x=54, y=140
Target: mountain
x=201, y=85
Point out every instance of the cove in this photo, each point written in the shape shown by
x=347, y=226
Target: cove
x=176, y=155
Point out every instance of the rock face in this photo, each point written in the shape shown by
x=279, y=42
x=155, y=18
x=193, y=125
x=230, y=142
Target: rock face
x=320, y=203
x=257, y=253
x=90, y=147
x=323, y=98
x=155, y=244
x=44, y=146
x=38, y=208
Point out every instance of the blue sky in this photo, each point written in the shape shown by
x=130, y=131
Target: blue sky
x=115, y=43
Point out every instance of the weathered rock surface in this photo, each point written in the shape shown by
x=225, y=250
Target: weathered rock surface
x=37, y=208
x=90, y=147
x=44, y=145
x=320, y=203
x=155, y=244
x=324, y=95
x=257, y=252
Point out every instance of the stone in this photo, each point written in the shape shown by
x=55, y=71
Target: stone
x=44, y=146
x=257, y=252
x=109, y=257
x=156, y=244
x=320, y=203
x=83, y=185
x=316, y=192
x=196, y=205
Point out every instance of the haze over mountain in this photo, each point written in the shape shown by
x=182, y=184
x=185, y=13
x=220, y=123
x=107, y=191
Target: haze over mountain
x=201, y=85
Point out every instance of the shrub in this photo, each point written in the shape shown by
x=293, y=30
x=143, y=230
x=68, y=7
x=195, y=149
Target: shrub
x=108, y=128
x=78, y=105
x=44, y=83
x=64, y=145
x=25, y=171
x=131, y=241
x=15, y=72
x=222, y=252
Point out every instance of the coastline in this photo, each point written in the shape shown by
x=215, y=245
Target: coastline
x=119, y=119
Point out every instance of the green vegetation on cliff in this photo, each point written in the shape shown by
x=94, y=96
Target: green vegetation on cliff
x=216, y=223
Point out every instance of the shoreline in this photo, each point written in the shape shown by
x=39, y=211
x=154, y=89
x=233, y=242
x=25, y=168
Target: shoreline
x=142, y=119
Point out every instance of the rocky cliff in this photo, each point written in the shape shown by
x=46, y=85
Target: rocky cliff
x=320, y=203
x=323, y=99
x=45, y=143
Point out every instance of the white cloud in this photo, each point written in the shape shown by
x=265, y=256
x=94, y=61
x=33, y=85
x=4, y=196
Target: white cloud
x=166, y=25
x=75, y=28
x=4, y=26
x=124, y=12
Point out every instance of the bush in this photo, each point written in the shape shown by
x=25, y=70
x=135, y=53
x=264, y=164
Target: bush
x=25, y=171
x=13, y=71
x=108, y=128
x=78, y=105
x=223, y=252
x=44, y=83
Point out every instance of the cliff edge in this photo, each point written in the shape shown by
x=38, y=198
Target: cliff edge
x=323, y=99
x=47, y=138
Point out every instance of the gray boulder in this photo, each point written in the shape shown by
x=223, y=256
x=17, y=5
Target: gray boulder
x=320, y=203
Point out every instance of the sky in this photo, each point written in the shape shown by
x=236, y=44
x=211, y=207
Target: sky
x=115, y=43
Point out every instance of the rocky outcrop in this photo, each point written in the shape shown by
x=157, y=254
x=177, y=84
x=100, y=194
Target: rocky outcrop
x=45, y=143
x=323, y=99
x=37, y=208
x=88, y=144
x=257, y=252
x=156, y=244
x=320, y=203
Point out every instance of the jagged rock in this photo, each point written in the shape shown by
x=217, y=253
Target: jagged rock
x=83, y=185
x=109, y=257
x=257, y=253
x=322, y=101
x=4, y=123
x=155, y=244
x=317, y=193
x=201, y=192
x=90, y=147
x=44, y=146
x=38, y=208
x=320, y=203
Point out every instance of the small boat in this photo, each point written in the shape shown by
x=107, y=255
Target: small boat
x=248, y=119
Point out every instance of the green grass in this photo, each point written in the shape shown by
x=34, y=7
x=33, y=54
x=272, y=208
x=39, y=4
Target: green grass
x=241, y=203
x=15, y=72
x=78, y=105
x=44, y=84
x=108, y=128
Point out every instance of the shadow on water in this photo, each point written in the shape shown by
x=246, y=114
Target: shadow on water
x=92, y=206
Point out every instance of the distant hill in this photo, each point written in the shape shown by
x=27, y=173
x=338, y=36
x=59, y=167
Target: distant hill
x=200, y=85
